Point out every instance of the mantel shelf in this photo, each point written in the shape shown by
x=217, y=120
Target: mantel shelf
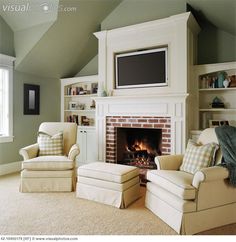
x=217, y=89
x=81, y=111
x=84, y=95
x=217, y=110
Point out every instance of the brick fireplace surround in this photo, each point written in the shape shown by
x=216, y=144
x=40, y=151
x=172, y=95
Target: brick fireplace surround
x=152, y=122
x=165, y=112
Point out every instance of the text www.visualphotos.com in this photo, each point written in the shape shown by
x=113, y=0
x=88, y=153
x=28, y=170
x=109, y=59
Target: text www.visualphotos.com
x=45, y=7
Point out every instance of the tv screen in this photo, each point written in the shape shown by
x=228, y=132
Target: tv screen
x=142, y=68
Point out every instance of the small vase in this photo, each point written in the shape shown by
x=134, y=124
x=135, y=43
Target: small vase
x=221, y=78
x=226, y=83
x=103, y=94
x=101, y=91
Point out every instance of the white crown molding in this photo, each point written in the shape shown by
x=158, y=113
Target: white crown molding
x=6, y=60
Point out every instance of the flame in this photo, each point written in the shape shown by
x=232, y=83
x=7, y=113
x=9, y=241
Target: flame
x=138, y=146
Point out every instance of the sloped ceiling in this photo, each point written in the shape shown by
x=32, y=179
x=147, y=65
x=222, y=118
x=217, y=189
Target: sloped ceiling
x=221, y=13
x=56, y=47
x=69, y=44
x=56, y=39
x=29, y=20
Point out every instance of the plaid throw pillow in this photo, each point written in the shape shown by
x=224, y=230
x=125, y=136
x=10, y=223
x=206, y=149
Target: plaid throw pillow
x=50, y=145
x=198, y=156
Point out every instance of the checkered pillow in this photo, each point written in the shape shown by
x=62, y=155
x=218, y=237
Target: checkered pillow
x=50, y=145
x=198, y=156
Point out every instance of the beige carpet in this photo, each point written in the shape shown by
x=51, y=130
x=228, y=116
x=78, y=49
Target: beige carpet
x=64, y=214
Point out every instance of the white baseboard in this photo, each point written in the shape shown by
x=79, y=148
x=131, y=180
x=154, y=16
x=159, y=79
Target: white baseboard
x=10, y=168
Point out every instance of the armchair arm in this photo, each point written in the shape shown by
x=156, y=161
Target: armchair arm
x=29, y=152
x=210, y=174
x=168, y=162
x=74, y=151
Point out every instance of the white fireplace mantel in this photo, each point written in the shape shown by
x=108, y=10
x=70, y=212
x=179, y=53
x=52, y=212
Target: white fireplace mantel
x=172, y=106
x=178, y=33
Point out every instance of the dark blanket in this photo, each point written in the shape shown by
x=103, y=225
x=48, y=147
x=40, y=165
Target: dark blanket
x=227, y=139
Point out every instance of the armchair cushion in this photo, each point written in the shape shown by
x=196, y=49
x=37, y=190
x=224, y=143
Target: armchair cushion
x=198, y=156
x=50, y=145
x=170, y=198
x=48, y=163
x=177, y=182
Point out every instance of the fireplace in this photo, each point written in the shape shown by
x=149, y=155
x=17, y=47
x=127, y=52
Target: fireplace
x=155, y=129
x=138, y=146
x=171, y=107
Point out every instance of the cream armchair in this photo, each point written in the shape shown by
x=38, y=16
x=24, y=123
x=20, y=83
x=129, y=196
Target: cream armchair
x=50, y=173
x=191, y=203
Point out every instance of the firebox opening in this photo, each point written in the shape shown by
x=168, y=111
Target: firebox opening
x=138, y=146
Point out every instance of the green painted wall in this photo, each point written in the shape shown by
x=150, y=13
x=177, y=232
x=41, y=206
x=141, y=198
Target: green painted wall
x=26, y=39
x=130, y=12
x=214, y=45
x=91, y=68
x=25, y=126
x=6, y=39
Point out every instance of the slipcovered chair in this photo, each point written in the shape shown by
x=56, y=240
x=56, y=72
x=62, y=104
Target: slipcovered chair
x=50, y=173
x=191, y=203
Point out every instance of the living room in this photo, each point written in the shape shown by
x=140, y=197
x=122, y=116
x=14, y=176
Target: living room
x=67, y=57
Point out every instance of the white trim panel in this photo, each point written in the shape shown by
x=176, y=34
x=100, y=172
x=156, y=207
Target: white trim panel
x=10, y=168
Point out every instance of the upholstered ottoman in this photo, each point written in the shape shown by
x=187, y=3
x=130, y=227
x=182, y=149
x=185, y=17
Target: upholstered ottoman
x=111, y=184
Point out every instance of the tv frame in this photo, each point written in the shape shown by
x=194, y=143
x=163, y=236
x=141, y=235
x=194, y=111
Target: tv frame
x=165, y=49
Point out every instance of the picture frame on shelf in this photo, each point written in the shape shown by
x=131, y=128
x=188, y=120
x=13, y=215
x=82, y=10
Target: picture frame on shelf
x=232, y=82
x=84, y=121
x=94, y=88
x=217, y=123
x=73, y=105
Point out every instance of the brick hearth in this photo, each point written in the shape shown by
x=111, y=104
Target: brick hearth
x=112, y=122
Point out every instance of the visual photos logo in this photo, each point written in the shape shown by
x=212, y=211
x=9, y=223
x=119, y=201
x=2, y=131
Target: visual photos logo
x=41, y=6
x=8, y=7
x=46, y=7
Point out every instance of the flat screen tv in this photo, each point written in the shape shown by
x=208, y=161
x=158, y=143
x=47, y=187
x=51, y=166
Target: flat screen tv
x=145, y=68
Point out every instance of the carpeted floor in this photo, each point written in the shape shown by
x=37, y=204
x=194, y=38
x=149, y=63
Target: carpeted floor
x=64, y=214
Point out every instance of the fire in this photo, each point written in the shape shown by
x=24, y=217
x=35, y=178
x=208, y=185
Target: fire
x=138, y=146
x=140, y=153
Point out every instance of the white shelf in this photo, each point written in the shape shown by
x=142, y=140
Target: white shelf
x=90, y=127
x=217, y=109
x=81, y=111
x=81, y=80
x=69, y=86
x=217, y=89
x=82, y=95
x=205, y=95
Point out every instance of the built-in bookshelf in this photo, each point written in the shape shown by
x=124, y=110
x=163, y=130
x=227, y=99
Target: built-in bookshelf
x=216, y=93
x=77, y=104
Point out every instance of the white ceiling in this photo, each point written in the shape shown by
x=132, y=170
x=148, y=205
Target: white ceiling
x=18, y=12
